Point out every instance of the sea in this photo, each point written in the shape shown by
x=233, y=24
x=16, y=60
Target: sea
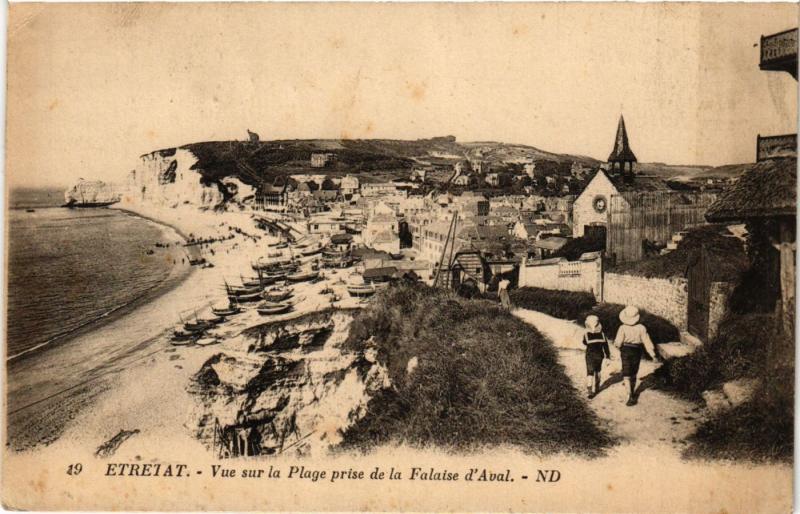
x=69, y=269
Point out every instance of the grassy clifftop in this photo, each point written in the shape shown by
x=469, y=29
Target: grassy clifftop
x=482, y=378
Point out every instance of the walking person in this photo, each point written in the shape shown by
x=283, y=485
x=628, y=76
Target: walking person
x=632, y=340
x=502, y=291
x=596, y=345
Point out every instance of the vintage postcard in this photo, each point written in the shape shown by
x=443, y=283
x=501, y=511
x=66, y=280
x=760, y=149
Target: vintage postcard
x=531, y=257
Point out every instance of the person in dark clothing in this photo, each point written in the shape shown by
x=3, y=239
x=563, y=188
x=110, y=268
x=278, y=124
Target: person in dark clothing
x=596, y=345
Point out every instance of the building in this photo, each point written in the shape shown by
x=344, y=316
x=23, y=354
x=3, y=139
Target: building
x=765, y=196
x=591, y=206
x=274, y=197
x=378, y=189
x=322, y=160
x=349, y=186
x=479, y=166
x=382, y=230
x=325, y=226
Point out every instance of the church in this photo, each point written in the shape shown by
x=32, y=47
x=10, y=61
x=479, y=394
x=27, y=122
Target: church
x=591, y=208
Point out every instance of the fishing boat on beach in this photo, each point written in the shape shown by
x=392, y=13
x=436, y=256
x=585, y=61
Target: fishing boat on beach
x=276, y=294
x=243, y=289
x=215, y=320
x=271, y=308
x=230, y=310
x=181, y=337
x=244, y=297
x=359, y=288
x=311, y=249
x=197, y=326
x=302, y=275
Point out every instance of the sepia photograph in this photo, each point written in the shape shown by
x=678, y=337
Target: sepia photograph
x=443, y=257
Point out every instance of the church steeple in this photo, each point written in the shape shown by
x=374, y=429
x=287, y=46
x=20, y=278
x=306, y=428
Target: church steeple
x=622, y=153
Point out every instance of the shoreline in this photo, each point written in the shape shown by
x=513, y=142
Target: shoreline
x=56, y=396
x=177, y=275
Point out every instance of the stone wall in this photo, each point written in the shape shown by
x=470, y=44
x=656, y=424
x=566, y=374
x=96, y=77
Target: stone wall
x=718, y=306
x=663, y=297
x=583, y=275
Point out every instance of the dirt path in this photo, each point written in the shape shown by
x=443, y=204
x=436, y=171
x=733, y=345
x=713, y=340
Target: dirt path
x=657, y=420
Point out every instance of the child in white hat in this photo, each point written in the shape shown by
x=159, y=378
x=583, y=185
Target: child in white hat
x=596, y=349
x=632, y=339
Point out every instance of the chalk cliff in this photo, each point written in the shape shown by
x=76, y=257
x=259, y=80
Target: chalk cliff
x=285, y=387
x=172, y=177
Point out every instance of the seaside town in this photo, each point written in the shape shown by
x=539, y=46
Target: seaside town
x=344, y=294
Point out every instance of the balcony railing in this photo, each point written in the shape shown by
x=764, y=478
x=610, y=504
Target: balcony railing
x=771, y=147
x=779, y=52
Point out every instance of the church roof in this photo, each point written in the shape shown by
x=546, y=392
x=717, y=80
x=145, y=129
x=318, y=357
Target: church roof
x=622, y=150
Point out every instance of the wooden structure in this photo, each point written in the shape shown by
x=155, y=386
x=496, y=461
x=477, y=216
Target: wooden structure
x=639, y=220
x=771, y=147
x=779, y=52
x=699, y=293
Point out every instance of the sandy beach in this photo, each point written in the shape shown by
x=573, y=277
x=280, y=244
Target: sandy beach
x=124, y=374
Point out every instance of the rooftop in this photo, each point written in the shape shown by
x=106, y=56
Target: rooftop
x=766, y=189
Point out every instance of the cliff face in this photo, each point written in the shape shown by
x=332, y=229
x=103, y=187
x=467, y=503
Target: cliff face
x=284, y=388
x=171, y=177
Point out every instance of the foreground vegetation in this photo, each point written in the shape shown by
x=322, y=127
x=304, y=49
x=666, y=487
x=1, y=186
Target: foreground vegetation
x=759, y=429
x=576, y=306
x=483, y=378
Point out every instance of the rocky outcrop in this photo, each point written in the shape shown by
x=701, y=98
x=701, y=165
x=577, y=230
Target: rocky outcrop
x=90, y=192
x=285, y=387
x=171, y=177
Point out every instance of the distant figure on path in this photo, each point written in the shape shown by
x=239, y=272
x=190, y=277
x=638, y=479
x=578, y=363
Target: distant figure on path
x=596, y=350
x=502, y=291
x=632, y=339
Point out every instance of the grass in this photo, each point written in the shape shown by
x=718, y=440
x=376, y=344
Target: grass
x=559, y=304
x=572, y=305
x=739, y=351
x=484, y=378
x=726, y=254
x=758, y=430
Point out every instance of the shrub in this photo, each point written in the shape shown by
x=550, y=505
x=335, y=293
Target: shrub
x=560, y=304
x=738, y=351
x=484, y=378
x=758, y=430
x=576, y=306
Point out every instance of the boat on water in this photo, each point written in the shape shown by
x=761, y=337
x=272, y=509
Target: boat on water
x=276, y=294
x=269, y=308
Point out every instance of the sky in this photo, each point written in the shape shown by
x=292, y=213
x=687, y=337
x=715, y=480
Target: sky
x=92, y=87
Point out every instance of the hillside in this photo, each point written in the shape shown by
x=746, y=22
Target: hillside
x=384, y=159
